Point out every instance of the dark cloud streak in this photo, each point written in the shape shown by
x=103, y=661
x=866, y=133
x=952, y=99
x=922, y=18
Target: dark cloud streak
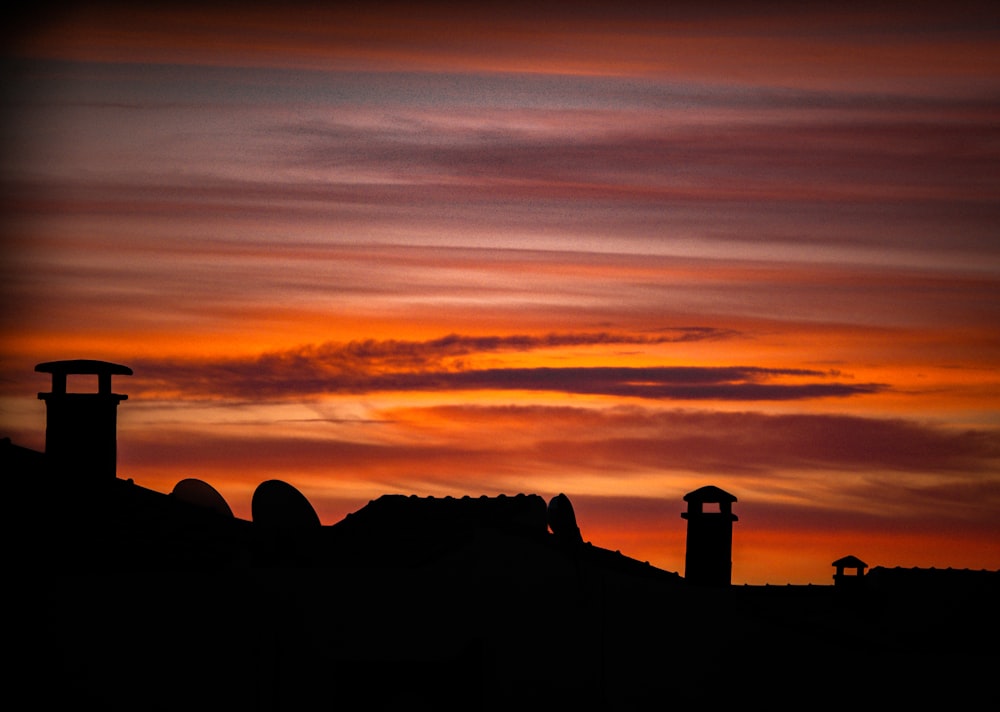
x=676, y=383
x=440, y=365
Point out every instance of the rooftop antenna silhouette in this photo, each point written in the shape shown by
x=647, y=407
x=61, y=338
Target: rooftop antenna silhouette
x=81, y=429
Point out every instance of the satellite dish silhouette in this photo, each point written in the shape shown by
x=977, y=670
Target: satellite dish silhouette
x=201, y=494
x=278, y=505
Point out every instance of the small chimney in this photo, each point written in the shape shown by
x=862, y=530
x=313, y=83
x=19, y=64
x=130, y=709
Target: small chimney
x=708, y=560
x=842, y=578
x=81, y=429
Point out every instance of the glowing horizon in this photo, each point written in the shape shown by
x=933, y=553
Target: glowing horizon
x=614, y=253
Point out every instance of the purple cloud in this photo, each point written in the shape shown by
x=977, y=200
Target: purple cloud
x=437, y=365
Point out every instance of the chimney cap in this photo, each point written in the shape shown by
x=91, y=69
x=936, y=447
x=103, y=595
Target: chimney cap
x=83, y=366
x=850, y=562
x=709, y=493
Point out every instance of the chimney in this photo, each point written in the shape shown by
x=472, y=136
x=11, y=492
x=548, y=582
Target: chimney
x=709, y=557
x=853, y=563
x=81, y=429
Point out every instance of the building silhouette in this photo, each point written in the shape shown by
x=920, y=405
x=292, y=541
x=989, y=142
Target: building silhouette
x=135, y=599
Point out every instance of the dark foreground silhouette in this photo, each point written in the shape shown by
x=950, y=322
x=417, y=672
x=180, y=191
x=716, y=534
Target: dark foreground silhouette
x=129, y=599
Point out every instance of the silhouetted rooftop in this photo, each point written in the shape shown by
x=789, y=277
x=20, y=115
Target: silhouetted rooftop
x=398, y=514
x=466, y=603
x=919, y=578
x=438, y=603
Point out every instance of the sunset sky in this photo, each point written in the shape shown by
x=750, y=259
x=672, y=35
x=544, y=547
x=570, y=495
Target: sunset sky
x=619, y=254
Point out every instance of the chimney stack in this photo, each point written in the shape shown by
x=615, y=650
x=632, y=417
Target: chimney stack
x=709, y=557
x=81, y=429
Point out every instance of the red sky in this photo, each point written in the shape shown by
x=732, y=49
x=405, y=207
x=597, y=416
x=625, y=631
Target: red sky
x=619, y=254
